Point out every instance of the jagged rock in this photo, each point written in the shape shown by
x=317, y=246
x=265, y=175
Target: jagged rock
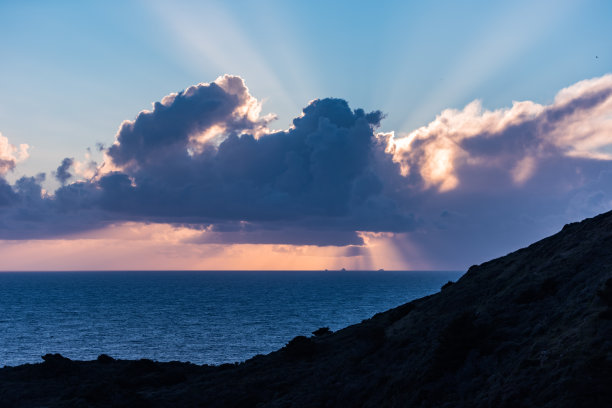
x=322, y=331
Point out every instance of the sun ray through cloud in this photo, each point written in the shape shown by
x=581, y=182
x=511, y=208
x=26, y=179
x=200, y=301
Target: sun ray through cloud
x=206, y=44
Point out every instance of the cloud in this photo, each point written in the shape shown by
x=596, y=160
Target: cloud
x=472, y=184
x=10, y=155
x=483, y=182
x=205, y=155
x=183, y=124
x=511, y=142
x=62, y=174
x=7, y=195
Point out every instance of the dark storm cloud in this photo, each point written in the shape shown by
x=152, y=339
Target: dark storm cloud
x=320, y=167
x=30, y=213
x=319, y=172
x=62, y=173
x=170, y=130
x=7, y=195
x=204, y=157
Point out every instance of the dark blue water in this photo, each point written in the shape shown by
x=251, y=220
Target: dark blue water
x=202, y=317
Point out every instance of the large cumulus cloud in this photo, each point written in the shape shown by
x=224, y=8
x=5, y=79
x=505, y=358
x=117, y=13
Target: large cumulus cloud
x=473, y=181
x=205, y=156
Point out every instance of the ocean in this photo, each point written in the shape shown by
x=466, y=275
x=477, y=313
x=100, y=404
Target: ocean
x=201, y=317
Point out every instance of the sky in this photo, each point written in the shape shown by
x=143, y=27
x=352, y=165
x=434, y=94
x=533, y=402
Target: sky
x=298, y=135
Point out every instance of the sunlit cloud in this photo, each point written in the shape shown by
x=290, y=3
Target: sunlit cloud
x=10, y=154
x=577, y=124
x=587, y=130
x=85, y=169
x=196, y=121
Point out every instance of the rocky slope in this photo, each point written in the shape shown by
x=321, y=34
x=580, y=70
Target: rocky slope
x=530, y=329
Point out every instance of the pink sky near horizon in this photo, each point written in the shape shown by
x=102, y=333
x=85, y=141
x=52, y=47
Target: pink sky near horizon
x=139, y=246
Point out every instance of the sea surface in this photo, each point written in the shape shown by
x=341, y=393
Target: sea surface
x=202, y=317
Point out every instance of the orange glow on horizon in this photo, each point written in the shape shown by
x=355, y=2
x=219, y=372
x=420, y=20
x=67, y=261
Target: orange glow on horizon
x=137, y=246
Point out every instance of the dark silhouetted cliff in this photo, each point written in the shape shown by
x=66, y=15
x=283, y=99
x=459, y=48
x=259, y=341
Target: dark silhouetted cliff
x=530, y=329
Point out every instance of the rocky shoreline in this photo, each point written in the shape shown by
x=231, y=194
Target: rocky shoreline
x=530, y=329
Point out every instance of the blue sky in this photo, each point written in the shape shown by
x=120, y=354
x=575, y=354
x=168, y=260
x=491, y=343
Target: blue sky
x=72, y=72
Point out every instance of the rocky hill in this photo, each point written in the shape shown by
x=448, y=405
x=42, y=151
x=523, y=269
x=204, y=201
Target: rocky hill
x=530, y=329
